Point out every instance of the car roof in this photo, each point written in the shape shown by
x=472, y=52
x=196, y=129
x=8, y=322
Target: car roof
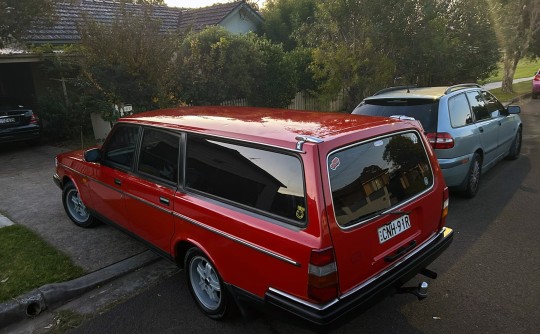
x=278, y=127
x=420, y=92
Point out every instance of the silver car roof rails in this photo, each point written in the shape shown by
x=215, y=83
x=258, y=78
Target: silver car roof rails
x=391, y=89
x=461, y=86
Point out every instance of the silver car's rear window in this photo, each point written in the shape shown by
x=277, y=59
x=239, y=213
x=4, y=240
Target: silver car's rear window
x=371, y=177
x=423, y=110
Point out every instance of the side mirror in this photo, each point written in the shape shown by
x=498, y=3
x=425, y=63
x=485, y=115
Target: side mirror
x=514, y=109
x=92, y=155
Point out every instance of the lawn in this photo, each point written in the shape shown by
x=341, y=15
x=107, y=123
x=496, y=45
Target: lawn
x=519, y=89
x=526, y=68
x=27, y=262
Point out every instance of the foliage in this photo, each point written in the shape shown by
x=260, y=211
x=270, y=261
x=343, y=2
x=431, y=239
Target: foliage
x=361, y=46
x=17, y=15
x=129, y=60
x=517, y=30
x=283, y=17
x=275, y=82
x=215, y=65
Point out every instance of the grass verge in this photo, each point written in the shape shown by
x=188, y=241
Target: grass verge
x=27, y=262
x=526, y=68
x=519, y=89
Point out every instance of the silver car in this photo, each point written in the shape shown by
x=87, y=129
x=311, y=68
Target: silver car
x=467, y=126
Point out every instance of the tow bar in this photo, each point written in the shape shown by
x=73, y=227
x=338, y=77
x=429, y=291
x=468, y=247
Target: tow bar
x=421, y=291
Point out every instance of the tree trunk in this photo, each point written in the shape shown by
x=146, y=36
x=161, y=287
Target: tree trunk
x=510, y=61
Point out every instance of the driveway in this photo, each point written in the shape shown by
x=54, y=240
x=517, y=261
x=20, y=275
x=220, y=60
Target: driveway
x=29, y=197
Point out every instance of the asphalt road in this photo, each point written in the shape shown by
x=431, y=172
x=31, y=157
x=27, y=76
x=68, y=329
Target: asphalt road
x=489, y=279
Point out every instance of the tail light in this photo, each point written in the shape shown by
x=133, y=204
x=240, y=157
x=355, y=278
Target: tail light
x=537, y=77
x=440, y=140
x=34, y=119
x=322, y=280
x=445, y=203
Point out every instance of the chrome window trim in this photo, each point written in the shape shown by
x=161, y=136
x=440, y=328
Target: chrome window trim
x=238, y=240
x=392, y=208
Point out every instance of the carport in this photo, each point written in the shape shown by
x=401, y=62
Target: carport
x=17, y=79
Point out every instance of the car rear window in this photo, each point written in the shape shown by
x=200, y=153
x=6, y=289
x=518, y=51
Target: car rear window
x=371, y=177
x=424, y=110
x=255, y=178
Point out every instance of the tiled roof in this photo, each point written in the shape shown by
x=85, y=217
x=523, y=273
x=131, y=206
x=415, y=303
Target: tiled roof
x=71, y=13
x=199, y=18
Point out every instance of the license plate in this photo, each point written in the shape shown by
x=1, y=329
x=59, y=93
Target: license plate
x=393, y=228
x=7, y=120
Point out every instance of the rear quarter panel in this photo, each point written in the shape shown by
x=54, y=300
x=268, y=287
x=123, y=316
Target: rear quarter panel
x=252, y=251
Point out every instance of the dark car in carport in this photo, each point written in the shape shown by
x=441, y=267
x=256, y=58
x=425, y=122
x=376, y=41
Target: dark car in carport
x=18, y=123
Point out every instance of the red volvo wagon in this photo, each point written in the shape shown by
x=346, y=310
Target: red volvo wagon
x=311, y=213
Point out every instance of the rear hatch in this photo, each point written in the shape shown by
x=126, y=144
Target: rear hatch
x=384, y=204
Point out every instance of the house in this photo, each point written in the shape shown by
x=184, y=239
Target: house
x=20, y=80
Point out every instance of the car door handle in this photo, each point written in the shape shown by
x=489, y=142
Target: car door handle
x=118, y=182
x=400, y=251
x=481, y=129
x=164, y=200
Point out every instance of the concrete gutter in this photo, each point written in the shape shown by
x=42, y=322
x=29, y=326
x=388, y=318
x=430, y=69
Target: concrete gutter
x=53, y=295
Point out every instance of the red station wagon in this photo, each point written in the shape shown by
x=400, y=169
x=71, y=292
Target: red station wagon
x=311, y=213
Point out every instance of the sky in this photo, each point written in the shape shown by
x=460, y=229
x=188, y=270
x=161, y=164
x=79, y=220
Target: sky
x=199, y=3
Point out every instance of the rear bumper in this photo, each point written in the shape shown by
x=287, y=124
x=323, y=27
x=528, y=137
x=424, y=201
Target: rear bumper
x=29, y=132
x=351, y=304
x=455, y=170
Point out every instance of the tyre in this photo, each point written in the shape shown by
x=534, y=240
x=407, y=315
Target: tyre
x=75, y=208
x=515, y=149
x=206, y=286
x=534, y=95
x=473, y=177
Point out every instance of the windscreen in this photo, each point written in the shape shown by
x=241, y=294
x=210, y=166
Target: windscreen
x=423, y=110
x=371, y=177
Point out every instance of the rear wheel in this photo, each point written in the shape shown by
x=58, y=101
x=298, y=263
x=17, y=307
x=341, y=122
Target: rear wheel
x=515, y=149
x=473, y=177
x=75, y=208
x=206, y=285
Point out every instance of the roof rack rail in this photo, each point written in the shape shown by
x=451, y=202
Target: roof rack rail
x=461, y=86
x=391, y=89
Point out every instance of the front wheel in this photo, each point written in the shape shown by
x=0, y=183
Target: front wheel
x=473, y=177
x=206, y=285
x=75, y=208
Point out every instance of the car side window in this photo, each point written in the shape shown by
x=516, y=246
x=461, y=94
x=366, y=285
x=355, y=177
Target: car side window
x=460, y=111
x=478, y=106
x=159, y=155
x=259, y=179
x=495, y=108
x=119, y=150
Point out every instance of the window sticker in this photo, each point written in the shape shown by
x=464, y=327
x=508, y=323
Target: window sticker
x=378, y=143
x=300, y=212
x=335, y=163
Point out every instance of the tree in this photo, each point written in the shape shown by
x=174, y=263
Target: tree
x=518, y=23
x=275, y=81
x=214, y=66
x=17, y=15
x=282, y=18
x=130, y=60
